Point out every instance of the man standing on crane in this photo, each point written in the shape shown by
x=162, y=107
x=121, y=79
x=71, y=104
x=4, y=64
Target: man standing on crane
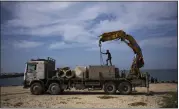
x=109, y=57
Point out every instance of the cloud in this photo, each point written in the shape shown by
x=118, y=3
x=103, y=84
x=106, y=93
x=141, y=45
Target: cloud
x=26, y=44
x=80, y=22
x=160, y=42
x=113, y=45
x=134, y=16
x=62, y=45
x=65, y=45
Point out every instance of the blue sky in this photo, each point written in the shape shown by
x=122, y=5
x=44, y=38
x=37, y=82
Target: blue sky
x=68, y=32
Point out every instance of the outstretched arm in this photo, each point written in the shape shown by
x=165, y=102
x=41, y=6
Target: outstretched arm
x=103, y=53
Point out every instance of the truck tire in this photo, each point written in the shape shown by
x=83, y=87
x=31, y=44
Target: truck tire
x=125, y=88
x=36, y=89
x=54, y=89
x=110, y=88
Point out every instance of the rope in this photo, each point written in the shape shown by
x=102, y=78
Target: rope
x=101, y=57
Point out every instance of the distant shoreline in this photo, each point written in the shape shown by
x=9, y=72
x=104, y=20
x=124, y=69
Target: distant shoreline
x=11, y=75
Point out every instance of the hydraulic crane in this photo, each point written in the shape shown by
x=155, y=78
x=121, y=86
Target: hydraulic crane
x=138, y=61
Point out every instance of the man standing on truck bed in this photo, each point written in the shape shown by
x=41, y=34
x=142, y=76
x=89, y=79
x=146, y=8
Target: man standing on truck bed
x=109, y=57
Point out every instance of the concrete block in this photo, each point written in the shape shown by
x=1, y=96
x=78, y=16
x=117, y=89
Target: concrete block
x=106, y=71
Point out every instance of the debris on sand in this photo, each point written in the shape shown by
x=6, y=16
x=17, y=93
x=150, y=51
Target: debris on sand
x=170, y=101
x=138, y=104
x=63, y=102
x=106, y=97
x=74, y=98
x=18, y=104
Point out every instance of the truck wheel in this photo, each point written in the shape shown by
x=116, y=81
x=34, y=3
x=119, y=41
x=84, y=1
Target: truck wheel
x=36, y=89
x=125, y=88
x=110, y=88
x=54, y=89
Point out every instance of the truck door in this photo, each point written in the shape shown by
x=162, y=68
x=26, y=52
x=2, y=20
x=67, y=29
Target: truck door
x=31, y=71
x=40, y=70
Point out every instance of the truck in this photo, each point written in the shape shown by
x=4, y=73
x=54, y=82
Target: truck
x=41, y=76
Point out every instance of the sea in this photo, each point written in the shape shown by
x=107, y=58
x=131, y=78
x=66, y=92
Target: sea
x=161, y=75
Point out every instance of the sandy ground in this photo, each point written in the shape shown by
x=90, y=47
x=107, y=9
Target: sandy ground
x=16, y=96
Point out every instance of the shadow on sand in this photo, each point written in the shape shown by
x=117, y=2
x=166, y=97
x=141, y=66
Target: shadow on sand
x=93, y=93
x=102, y=93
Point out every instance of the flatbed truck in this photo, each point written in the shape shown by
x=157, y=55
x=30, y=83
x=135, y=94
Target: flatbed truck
x=40, y=77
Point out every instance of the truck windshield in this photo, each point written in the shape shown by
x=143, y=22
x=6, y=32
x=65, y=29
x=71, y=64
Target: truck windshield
x=31, y=67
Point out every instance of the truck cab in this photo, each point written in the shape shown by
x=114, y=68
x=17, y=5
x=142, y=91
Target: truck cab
x=38, y=70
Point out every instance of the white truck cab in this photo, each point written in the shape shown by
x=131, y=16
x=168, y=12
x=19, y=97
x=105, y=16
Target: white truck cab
x=37, y=70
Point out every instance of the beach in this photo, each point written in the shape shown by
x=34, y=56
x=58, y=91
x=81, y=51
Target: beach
x=16, y=96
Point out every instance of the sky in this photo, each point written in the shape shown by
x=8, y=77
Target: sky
x=68, y=32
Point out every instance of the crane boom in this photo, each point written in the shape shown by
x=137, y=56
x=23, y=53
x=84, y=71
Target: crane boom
x=130, y=41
